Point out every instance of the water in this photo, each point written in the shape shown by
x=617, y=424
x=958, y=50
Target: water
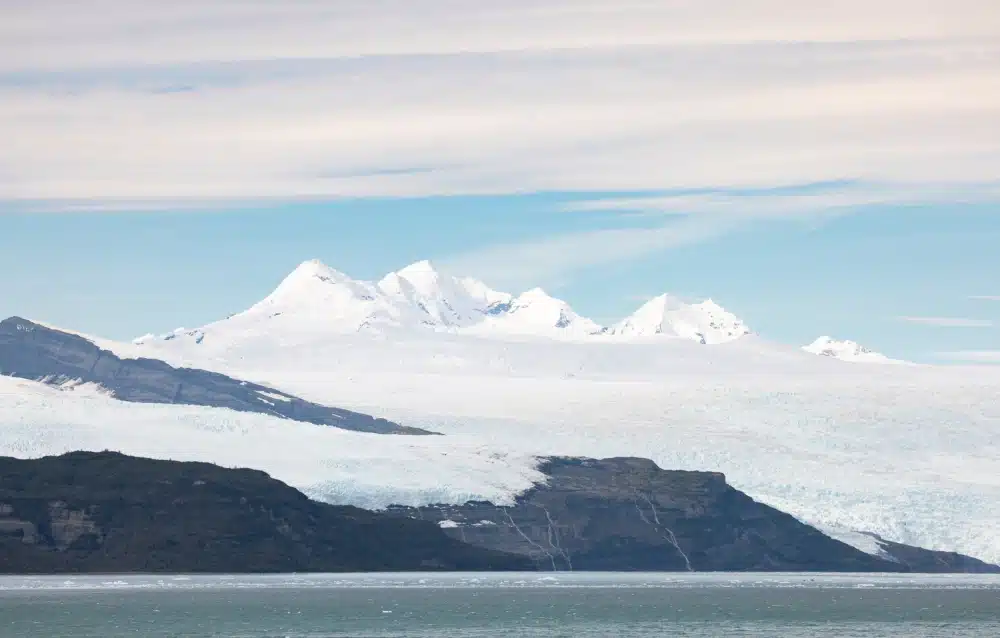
x=532, y=605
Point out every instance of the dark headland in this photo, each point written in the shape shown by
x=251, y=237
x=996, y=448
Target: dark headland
x=105, y=512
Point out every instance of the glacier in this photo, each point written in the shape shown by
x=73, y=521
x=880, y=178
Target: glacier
x=908, y=452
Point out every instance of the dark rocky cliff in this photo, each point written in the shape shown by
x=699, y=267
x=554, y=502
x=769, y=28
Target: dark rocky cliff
x=106, y=512
x=32, y=351
x=110, y=513
x=627, y=514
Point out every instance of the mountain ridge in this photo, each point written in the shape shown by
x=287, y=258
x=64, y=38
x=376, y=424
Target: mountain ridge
x=705, y=322
x=316, y=299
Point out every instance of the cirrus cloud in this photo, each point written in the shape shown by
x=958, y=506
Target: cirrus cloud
x=115, y=101
x=949, y=322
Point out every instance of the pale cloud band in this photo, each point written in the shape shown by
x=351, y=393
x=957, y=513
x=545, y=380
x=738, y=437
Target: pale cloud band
x=949, y=322
x=133, y=100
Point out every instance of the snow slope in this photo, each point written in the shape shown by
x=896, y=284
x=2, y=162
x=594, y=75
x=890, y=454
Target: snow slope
x=846, y=351
x=704, y=322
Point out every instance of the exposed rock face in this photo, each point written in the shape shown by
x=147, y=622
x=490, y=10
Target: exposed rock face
x=32, y=351
x=106, y=512
x=918, y=559
x=67, y=526
x=627, y=514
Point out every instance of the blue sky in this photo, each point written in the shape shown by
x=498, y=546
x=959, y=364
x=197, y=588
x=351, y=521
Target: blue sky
x=835, y=171
x=855, y=275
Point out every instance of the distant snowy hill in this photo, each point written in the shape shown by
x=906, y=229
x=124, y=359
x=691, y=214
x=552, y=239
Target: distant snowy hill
x=705, y=322
x=846, y=351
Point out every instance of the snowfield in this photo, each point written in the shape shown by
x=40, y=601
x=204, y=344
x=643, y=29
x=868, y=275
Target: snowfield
x=908, y=452
x=329, y=464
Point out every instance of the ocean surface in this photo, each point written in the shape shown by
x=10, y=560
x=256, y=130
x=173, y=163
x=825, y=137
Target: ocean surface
x=533, y=605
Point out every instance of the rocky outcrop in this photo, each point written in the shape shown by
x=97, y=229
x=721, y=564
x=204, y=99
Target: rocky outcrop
x=32, y=351
x=927, y=561
x=106, y=512
x=109, y=513
x=627, y=514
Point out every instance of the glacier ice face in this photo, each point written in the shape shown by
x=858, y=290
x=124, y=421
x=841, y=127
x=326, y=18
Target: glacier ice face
x=330, y=464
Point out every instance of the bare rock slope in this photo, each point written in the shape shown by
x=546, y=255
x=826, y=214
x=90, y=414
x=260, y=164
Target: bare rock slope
x=626, y=514
x=106, y=512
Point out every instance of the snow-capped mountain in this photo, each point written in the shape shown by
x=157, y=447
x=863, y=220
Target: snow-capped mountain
x=535, y=312
x=845, y=351
x=705, y=322
x=328, y=299
x=447, y=301
x=316, y=299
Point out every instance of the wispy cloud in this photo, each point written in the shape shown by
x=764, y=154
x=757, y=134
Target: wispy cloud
x=550, y=260
x=985, y=297
x=672, y=220
x=949, y=322
x=118, y=100
x=788, y=202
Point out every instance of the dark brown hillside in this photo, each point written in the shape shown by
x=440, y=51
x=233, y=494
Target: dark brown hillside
x=106, y=512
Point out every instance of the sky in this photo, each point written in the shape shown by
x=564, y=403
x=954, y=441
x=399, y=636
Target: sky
x=814, y=169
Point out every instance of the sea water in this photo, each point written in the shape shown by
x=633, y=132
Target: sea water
x=577, y=605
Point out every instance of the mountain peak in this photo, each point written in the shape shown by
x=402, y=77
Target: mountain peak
x=535, y=293
x=315, y=269
x=706, y=322
x=421, y=275
x=845, y=350
x=709, y=304
x=323, y=296
x=440, y=299
x=422, y=267
x=536, y=312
